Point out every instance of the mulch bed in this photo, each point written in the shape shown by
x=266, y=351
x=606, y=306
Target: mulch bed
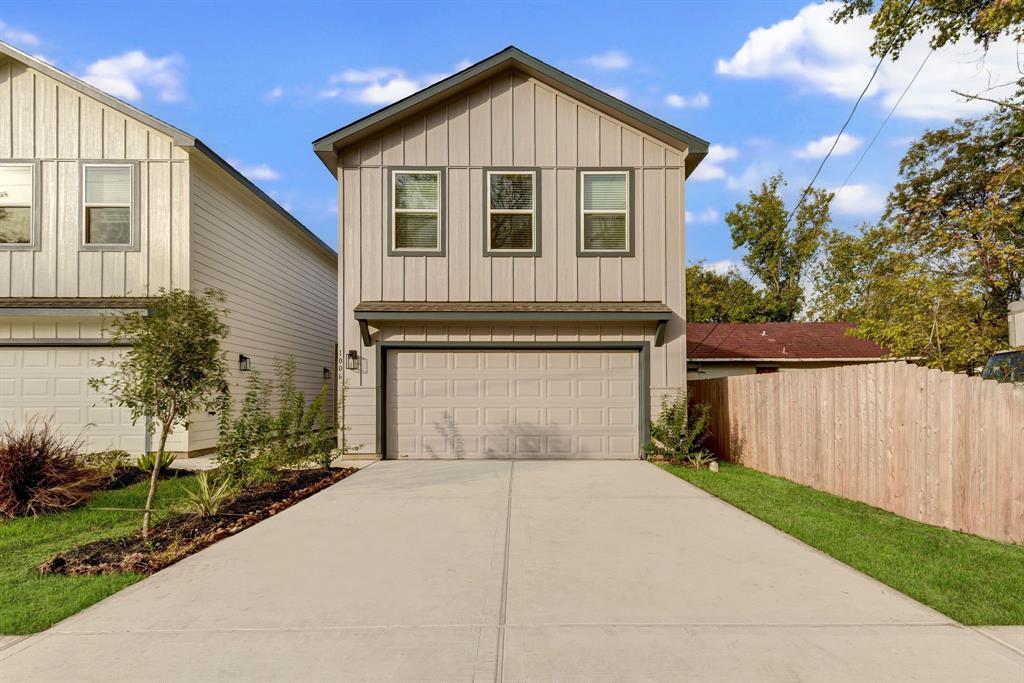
x=183, y=535
x=127, y=476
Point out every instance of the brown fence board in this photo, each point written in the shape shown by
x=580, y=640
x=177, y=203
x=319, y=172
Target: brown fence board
x=940, y=448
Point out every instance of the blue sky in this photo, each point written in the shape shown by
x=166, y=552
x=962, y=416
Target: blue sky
x=768, y=83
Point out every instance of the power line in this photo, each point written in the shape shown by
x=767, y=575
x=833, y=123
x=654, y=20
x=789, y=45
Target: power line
x=835, y=142
x=885, y=121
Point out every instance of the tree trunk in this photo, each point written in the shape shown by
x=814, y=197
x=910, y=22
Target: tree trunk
x=153, y=478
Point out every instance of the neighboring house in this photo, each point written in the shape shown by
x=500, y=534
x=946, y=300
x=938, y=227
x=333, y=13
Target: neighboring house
x=1016, y=319
x=101, y=205
x=512, y=274
x=722, y=349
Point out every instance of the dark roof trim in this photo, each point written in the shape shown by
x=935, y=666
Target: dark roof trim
x=178, y=136
x=75, y=302
x=755, y=359
x=327, y=146
x=508, y=310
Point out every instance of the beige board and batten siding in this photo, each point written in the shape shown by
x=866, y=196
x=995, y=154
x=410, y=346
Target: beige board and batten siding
x=512, y=120
x=42, y=119
x=281, y=287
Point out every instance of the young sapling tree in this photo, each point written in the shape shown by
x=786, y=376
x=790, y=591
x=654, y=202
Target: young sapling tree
x=173, y=367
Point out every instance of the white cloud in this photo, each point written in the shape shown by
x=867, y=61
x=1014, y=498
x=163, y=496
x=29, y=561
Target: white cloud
x=726, y=265
x=816, y=149
x=698, y=101
x=255, y=171
x=378, y=85
x=126, y=76
x=275, y=93
x=858, y=200
x=711, y=166
x=609, y=61
x=17, y=36
x=706, y=216
x=823, y=57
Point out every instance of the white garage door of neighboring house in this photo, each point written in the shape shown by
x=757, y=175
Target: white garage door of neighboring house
x=53, y=382
x=512, y=404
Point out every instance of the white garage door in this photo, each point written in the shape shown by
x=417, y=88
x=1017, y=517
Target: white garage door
x=53, y=382
x=512, y=404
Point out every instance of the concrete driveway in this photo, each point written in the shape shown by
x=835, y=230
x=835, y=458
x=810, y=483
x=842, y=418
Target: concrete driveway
x=489, y=570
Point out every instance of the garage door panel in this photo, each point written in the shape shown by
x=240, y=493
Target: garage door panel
x=53, y=383
x=507, y=403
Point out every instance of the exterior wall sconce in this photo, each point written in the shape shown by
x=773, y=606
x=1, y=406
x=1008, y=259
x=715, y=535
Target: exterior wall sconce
x=327, y=374
x=244, y=363
x=352, y=360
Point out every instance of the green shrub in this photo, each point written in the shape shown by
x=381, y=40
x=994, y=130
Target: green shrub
x=678, y=434
x=147, y=461
x=208, y=496
x=40, y=472
x=257, y=445
x=243, y=440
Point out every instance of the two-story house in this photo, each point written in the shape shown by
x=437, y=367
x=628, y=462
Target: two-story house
x=101, y=205
x=512, y=270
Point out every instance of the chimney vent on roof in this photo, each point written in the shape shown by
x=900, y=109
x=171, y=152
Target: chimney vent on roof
x=764, y=333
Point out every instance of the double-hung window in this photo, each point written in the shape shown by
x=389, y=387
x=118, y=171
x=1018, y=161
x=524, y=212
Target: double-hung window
x=605, y=212
x=416, y=216
x=108, y=199
x=511, y=220
x=17, y=195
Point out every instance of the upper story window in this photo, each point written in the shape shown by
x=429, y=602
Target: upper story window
x=605, y=213
x=511, y=220
x=416, y=212
x=17, y=199
x=108, y=205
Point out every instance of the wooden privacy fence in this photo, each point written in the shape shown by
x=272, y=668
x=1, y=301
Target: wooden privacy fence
x=934, y=446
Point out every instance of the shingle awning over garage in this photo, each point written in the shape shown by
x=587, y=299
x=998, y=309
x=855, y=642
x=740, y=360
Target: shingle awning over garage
x=578, y=311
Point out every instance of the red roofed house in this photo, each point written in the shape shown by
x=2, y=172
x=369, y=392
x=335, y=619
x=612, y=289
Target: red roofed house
x=721, y=349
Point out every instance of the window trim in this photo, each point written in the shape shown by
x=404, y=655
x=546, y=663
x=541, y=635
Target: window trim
x=133, y=206
x=35, y=213
x=442, y=198
x=630, y=212
x=535, y=211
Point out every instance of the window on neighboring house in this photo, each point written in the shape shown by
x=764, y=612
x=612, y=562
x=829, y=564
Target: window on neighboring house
x=16, y=194
x=416, y=212
x=108, y=205
x=605, y=212
x=511, y=212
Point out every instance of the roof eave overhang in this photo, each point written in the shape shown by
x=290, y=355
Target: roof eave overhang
x=328, y=146
x=855, y=359
x=378, y=316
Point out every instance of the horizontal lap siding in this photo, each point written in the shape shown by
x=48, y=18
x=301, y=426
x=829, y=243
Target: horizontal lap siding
x=43, y=120
x=281, y=289
x=512, y=120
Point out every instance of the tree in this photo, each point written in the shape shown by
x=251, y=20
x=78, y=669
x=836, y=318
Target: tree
x=172, y=369
x=934, y=278
x=779, y=254
x=713, y=297
x=896, y=22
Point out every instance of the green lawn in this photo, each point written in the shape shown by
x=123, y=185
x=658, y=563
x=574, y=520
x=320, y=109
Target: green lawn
x=30, y=602
x=968, y=578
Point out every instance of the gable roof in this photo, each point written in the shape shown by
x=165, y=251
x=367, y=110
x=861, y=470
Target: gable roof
x=327, y=147
x=178, y=136
x=777, y=342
